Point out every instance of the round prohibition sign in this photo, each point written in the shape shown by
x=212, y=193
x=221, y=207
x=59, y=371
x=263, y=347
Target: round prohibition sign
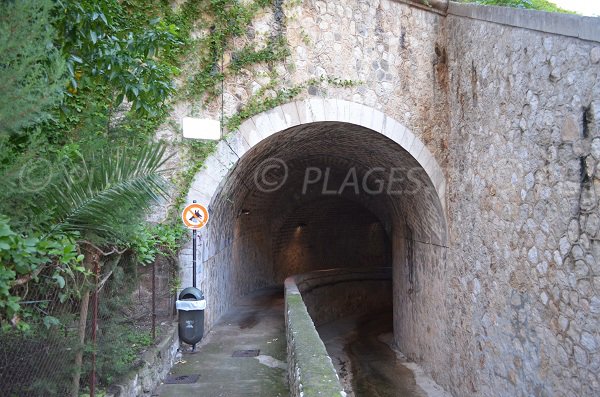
x=195, y=216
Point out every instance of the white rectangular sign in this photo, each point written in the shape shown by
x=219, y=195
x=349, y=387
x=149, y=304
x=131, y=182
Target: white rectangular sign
x=194, y=128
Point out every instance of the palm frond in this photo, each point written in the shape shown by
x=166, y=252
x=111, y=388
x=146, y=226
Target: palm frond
x=110, y=189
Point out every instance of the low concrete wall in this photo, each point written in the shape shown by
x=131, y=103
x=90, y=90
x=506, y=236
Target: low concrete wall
x=333, y=294
x=310, y=370
x=156, y=364
x=585, y=28
x=329, y=295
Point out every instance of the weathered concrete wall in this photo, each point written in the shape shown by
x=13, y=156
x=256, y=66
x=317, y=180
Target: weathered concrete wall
x=310, y=370
x=319, y=297
x=330, y=295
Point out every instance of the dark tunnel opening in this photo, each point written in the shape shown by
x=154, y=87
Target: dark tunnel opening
x=330, y=195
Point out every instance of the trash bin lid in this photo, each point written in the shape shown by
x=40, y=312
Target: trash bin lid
x=191, y=293
x=190, y=305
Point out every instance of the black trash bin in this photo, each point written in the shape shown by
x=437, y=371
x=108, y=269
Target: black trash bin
x=191, y=305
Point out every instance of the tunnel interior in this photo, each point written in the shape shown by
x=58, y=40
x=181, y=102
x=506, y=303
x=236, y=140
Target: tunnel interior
x=326, y=233
x=326, y=195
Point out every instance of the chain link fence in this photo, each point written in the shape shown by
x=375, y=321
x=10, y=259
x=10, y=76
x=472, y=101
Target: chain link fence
x=134, y=307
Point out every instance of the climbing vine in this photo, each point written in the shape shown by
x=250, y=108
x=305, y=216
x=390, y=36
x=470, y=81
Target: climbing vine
x=275, y=50
x=215, y=56
x=224, y=20
x=262, y=101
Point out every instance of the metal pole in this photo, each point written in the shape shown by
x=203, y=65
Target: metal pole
x=194, y=255
x=154, y=300
x=94, y=326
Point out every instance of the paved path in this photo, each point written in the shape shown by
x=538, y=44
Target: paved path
x=257, y=322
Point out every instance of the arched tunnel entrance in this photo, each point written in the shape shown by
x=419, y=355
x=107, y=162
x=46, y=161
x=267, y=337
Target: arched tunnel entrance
x=331, y=194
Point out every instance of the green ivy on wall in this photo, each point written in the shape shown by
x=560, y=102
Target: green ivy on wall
x=118, y=66
x=220, y=23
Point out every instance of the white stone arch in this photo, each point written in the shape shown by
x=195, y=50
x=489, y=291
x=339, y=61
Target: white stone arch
x=263, y=125
x=215, y=251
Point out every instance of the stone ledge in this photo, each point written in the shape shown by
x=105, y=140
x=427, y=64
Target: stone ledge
x=310, y=370
x=309, y=281
x=437, y=6
x=585, y=28
x=156, y=363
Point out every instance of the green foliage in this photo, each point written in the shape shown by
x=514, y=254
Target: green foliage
x=197, y=152
x=540, y=5
x=120, y=337
x=112, y=49
x=119, y=349
x=152, y=240
x=103, y=46
x=84, y=169
x=262, y=101
x=50, y=261
x=31, y=69
x=110, y=190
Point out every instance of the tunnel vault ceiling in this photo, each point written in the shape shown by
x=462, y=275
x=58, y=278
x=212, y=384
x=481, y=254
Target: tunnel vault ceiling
x=312, y=161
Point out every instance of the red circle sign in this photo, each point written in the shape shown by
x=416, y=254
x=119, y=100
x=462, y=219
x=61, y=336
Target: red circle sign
x=195, y=216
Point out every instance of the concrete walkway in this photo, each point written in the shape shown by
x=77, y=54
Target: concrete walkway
x=257, y=322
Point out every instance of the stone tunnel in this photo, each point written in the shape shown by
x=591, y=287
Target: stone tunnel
x=313, y=197
x=467, y=161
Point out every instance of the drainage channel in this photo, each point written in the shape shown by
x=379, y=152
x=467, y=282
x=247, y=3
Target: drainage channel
x=360, y=350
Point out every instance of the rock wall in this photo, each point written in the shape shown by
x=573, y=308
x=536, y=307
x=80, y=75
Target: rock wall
x=156, y=364
x=522, y=295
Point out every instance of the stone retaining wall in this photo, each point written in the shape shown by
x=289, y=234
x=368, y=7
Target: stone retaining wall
x=522, y=286
x=156, y=364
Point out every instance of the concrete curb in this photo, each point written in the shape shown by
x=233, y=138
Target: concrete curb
x=585, y=28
